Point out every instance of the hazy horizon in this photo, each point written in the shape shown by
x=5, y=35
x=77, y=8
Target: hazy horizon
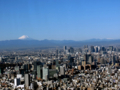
x=25, y=37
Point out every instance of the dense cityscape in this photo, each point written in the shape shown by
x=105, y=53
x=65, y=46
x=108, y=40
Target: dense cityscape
x=59, y=45
x=67, y=68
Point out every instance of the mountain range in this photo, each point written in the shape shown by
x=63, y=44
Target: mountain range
x=31, y=43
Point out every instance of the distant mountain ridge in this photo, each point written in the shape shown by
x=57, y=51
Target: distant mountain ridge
x=28, y=43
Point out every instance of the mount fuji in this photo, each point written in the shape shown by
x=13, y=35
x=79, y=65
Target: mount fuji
x=26, y=42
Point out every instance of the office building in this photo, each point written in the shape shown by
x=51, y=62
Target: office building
x=16, y=82
x=37, y=63
x=57, y=53
x=80, y=50
x=16, y=58
x=52, y=72
x=113, y=60
x=86, y=57
x=85, y=46
x=17, y=68
x=83, y=62
x=102, y=61
x=26, y=68
x=90, y=60
x=71, y=50
x=27, y=81
x=62, y=70
x=39, y=71
x=103, y=49
x=110, y=48
x=22, y=71
x=65, y=48
x=92, y=49
x=45, y=73
x=96, y=49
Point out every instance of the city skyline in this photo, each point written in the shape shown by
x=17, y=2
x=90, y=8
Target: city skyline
x=59, y=45
x=60, y=20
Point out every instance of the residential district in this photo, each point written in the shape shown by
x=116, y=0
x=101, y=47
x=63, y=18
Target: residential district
x=67, y=68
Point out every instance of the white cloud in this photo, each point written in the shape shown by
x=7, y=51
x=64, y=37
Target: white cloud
x=23, y=37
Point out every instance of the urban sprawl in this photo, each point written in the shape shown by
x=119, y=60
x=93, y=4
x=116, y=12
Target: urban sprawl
x=67, y=68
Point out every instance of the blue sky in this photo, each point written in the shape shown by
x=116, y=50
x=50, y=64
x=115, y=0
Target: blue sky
x=60, y=19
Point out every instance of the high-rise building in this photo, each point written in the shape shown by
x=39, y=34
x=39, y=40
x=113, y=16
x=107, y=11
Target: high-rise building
x=52, y=72
x=57, y=53
x=98, y=58
x=80, y=50
x=71, y=59
x=102, y=61
x=83, y=62
x=96, y=48
x=39, y=71
x=37, y=63
x=34, y=73
x=118, y=49
x=71, y=50
x=85, y=46
x=99, y=48
x=16, y=58
x=45, y=73
x=90, y=60
x=26, y=67
x=56, y=62
x=65, y=48
x=17, y=68
x=92, y=49
x=16, y=82
x=71, y=62
x=115, y=49
x=85, y=57
x=22, y=71
x=103, y=49
x=110, y=48
x=27, y=81
x=113, y=60
x=62, y=70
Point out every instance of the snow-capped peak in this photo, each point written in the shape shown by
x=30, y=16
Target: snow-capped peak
x=23, y=37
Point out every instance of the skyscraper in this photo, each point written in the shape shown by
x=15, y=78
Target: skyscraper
x=85, y=57
x=80, y=50
x=37, y=63
x=27, y=81
x=85, y=46
x=102, y=61
x=92, y=49
x=56, y=53
x=62, y=70
x=96, y=48
x=39, y=71
x=16, y=82
x=65, y=48
x=90, y=59
x=103, y=49
x=71, y=50
x=45, y=73
x=113, y=60
x=110, y=48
